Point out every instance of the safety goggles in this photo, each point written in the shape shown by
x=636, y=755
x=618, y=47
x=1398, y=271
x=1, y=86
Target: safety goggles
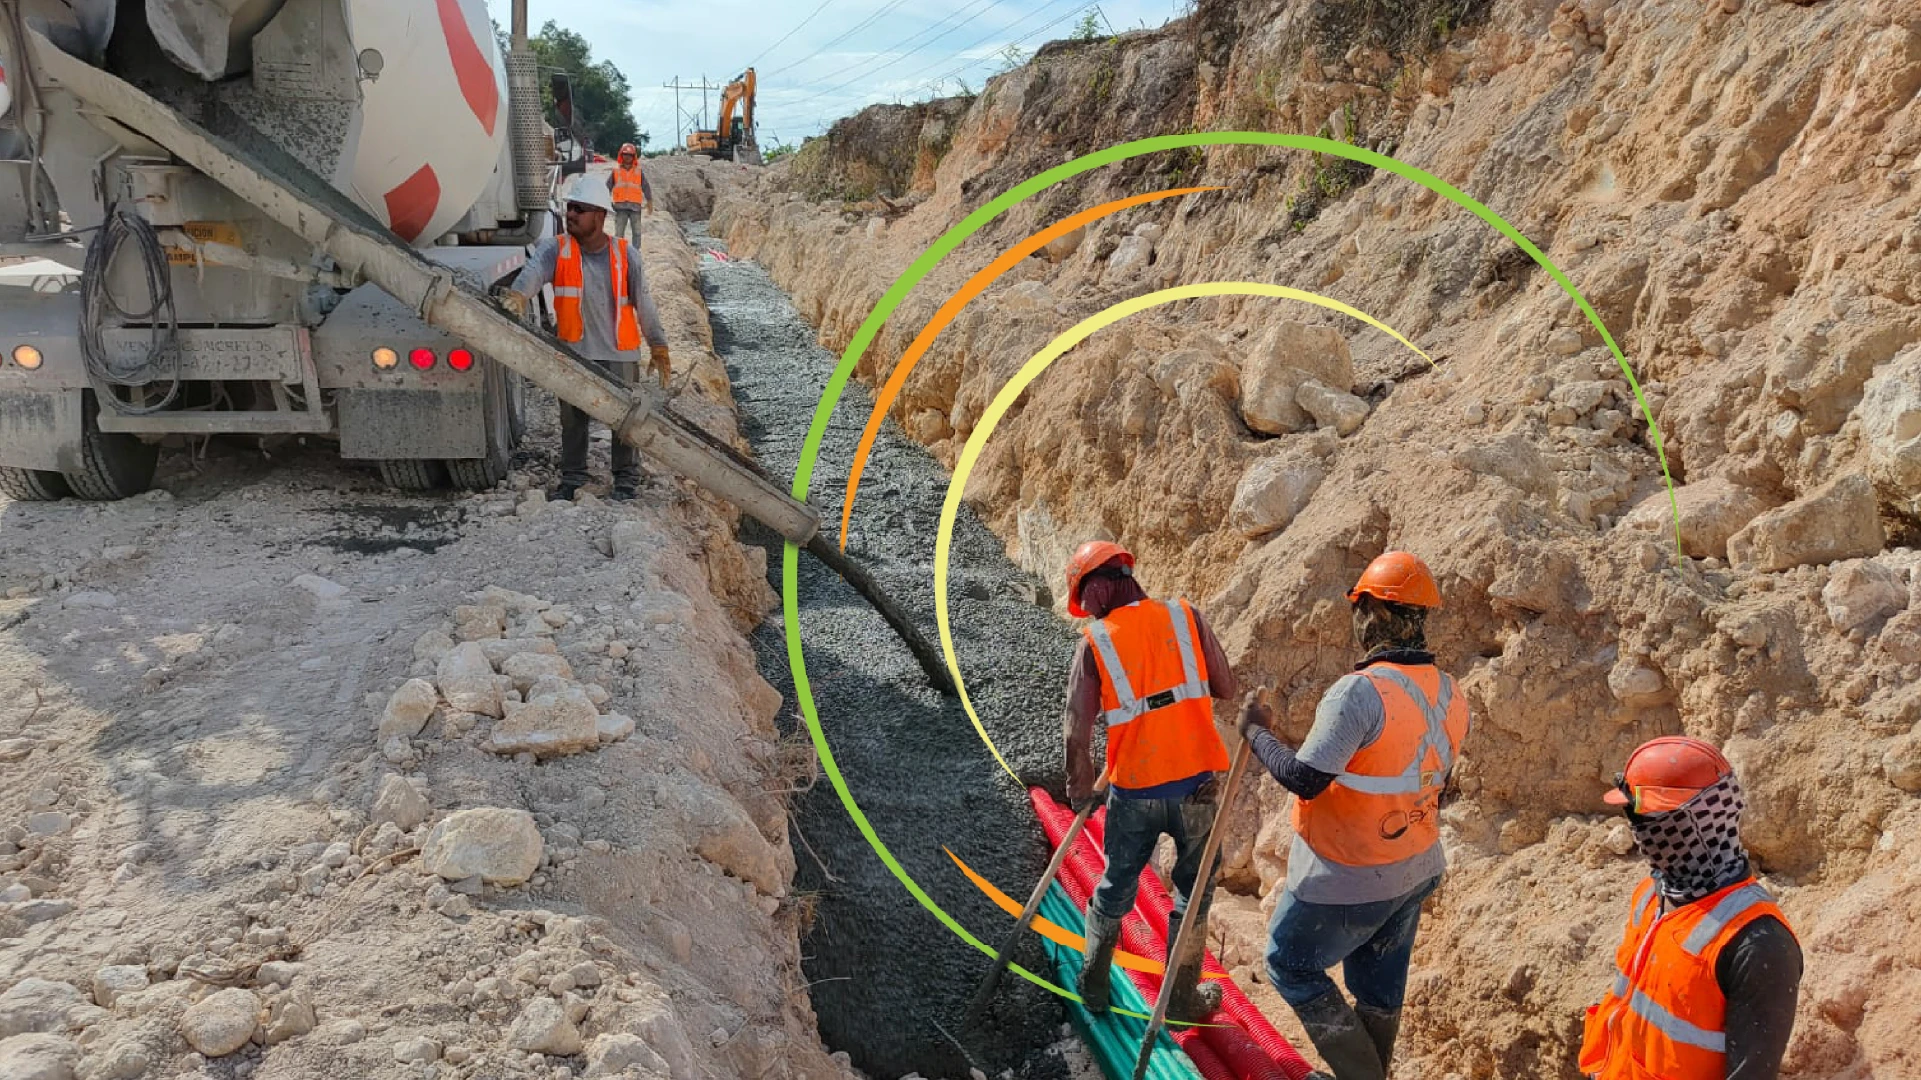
x=1648, y=798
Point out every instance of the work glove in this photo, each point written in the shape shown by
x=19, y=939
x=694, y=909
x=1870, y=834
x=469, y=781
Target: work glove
x=1256, y=714
x=1081, y=800
x=661, y=364
x=514, y=302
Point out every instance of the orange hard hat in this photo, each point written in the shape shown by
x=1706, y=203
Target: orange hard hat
x=1400, y=578
x=1663, y=774
x=1088, y=558
x=628, y=148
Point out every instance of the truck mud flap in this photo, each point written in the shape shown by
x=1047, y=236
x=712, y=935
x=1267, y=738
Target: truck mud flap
x=38, y=430
x=380, y=424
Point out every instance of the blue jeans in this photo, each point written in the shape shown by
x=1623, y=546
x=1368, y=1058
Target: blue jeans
x=1134, y=826
x=1371, y=942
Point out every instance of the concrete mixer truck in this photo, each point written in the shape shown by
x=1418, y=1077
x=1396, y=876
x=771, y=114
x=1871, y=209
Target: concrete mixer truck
x=144, y=299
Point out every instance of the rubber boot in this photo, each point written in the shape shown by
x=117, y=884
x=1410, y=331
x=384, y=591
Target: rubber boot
x=1194, y=1000
x=1103, y=934
x=1383, y=1026
x=1343, y=1042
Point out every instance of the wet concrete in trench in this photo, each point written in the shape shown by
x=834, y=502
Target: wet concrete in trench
x=889, y=982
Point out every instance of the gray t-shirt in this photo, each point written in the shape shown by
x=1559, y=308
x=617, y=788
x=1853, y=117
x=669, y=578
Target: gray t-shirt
x=1349, y=718
x=597, y=298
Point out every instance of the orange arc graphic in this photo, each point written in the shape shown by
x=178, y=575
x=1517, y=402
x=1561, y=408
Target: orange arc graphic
x=1059, y=935
x=950, y=310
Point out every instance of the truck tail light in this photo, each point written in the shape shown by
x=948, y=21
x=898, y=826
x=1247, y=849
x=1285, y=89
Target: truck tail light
x=27, y=357
x=386, y=359
x=460, y=360
x=421, y=359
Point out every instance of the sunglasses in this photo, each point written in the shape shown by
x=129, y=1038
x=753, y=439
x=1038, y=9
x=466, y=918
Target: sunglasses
x=582, y=208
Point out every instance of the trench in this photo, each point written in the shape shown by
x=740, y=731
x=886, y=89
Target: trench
x=889, y=983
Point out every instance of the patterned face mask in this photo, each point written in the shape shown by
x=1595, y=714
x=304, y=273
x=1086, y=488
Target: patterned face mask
x=1695, y=849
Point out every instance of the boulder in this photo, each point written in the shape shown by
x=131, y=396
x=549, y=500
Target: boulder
x=38, y=1057
x=500, y=650
x=1636, y=684
x=1863, y=594
x=1838, y=521
x=111, y=982
x=543, y=1028
x=1131, y=255
x=1890, y=417
x=1332, y=408
x=222, y=1023
x=614, y=1053
x=399, y=802
x=37, y=1006
x=1273, y=491
x=501, y=846
x=1274, y=369
x=1902, y=763
x=565, y=723
x=613, y=727
x=1711, y=510
x=528, y=667
x=408, y=710
x=1514, y=458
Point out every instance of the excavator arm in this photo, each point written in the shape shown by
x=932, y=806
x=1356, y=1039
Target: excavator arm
x=739, y=94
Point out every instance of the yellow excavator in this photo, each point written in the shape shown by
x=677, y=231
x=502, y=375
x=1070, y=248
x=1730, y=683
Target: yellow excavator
x=734, y=138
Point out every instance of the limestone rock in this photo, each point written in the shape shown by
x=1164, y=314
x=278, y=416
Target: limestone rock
x=127, y=1061
x=478, y=622
x=1711, y=510
x=549, y=727
x=1131, y=255
x=726, y=836
x=467, y=658
x=1273, y=371
x=474, y=694
x=1332, y=408
x=1902, y=763
x=49, y=823
x=1863, y=594
x=432, y=646
x=1634, y=683
x=613, y=1053
x=1514, y=458
x=417, y=1050
x=111, y=982
x=1273, y=491
x=1564, y=342
x=222, y=1023
x=1061, y=247
x=292, y=1016
x=37, y=1006
x=1838, y=521
x=399, y=802
x=38, y=1057
x=1890, y=416
x=408, y=709
x=499, y=651
x=502, y=846
x=528, y=667
x=543, y=1028
x=613, y=727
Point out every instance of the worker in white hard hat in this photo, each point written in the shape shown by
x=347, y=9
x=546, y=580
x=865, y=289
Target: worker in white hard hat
x=603, y=309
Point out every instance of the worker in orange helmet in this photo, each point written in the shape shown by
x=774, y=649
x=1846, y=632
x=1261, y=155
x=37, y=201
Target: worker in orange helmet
x=632, y=192
x=1367, y=846
x=1708, y=972
x=1145, y=672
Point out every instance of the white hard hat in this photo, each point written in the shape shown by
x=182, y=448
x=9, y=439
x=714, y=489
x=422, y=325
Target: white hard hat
x=590, y=191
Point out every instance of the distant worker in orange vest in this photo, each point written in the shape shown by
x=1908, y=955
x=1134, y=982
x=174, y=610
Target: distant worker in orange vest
x=603, y=309
x=1367, y=843
x=1146, y=672
x=1708, y=973
x=631, y=193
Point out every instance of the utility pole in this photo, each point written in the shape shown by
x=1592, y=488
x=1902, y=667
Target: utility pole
x=684, y=119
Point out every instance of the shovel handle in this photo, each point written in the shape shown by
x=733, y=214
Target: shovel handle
x=1001, y=959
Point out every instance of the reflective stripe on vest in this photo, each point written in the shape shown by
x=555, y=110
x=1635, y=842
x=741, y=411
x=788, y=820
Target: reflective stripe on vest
x=569, y=321
x=1192, y=686
x=627, y=187
x=1665, y=1015
x=1412, y=780
x=1155, y=700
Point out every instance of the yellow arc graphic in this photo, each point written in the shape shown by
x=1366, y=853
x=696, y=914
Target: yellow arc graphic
x=1004, y=400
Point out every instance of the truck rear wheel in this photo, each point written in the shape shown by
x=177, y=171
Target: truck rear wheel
x=413, y=474
x=112, y=466
x=31, y=485
x=505, y=421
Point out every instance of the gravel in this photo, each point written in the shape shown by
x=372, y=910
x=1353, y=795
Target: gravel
x=911, y=757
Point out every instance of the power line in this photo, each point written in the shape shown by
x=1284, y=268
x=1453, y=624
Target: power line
x=984, y=59
x=850, y=32
x=790, y=33
x=871, y=72
x=889, y=51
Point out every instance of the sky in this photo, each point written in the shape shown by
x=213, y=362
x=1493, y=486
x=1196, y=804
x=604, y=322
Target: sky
x=815, y=61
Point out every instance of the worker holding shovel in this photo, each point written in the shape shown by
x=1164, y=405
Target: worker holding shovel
x=1146, y=671
x=1367, y=844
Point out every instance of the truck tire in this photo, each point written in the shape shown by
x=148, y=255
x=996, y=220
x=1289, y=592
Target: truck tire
x=112, y=466
x=413, y=474
x=504, y=424
x=31, y=485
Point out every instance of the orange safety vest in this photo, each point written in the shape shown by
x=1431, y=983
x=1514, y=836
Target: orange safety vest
x=1154, y=695
x=568, y=281
x=1665, y=1017
x=1386, y=806
x=627, y=187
